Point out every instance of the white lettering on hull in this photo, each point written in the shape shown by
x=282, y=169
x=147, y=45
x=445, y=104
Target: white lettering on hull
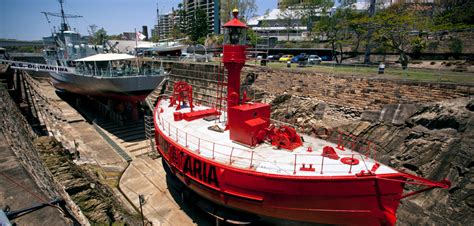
x=36, y=67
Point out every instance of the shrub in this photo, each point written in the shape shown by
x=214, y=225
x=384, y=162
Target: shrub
x=455, y=45
x=433, y=46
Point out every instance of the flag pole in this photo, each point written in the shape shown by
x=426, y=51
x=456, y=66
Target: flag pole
x=136, y=49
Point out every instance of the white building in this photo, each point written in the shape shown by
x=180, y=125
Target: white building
x=364, y=4
x=283, y=25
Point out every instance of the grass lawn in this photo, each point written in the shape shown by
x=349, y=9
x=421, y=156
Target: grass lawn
x=393, y=73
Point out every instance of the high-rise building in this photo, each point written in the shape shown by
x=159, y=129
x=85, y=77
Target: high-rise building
x=164, y=24
x=211, y=7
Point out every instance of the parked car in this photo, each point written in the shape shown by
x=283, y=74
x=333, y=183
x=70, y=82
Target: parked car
x=314, y=59
x=286, y=58
x=326, y=58
x=275, y=57
x=194, y=57
x=302, y=57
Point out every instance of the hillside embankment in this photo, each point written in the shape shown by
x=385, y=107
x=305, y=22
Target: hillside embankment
x=424, y=129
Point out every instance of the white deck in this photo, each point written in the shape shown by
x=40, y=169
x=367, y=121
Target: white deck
x=263, y=158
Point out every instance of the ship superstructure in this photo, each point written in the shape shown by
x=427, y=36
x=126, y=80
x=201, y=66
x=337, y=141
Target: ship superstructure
x=88, y=69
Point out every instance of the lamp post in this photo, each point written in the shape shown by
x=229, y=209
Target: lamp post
x=141, y=199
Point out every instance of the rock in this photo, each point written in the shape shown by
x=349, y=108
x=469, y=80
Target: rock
x=250, y=78
x=280, y=99
x=94, y=199
x=470, y=201
x=440, y=116
x=370, y=116
x=470, y=105
x=436, y=143
x=299, y=120
x=319, y=109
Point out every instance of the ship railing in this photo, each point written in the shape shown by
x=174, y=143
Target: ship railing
x=343, y=139
x=311, y=161
x=118, y=72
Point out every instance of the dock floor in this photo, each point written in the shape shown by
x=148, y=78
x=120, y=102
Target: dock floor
x=146, y=176
x=142, y=175
x=18, y=190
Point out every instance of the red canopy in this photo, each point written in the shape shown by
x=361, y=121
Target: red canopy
x=235, y=22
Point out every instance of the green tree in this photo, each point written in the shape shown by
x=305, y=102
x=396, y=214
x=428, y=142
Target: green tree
x=433, y=46
x=309, y=10
x=155, y=38
x=336, y=30
x=287, y=17
x=183, y=19
x=453, y=14
x=176, y=32
x=418, y=44
x=114, y=37
x=198, y=26
x=253, y=37
x=264, y=24
x=99, y=37
x=394, y=28
x=247, y=9
x=370, y=30
x=456, y=46
x=214, y=40
x=358, y=24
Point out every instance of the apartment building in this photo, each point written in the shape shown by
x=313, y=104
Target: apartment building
x=211, y=7
x=165, y=23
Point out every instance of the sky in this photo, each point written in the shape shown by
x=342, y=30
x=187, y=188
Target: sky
x=23, y=20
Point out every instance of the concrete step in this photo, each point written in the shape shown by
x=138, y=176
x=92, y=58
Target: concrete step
x=141, y=147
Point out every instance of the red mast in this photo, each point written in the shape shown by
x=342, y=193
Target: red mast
x=244, y=120
x=249, y=123
x=234, y=56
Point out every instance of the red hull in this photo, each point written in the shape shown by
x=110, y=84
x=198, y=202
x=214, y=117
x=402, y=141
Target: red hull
x=364, y=200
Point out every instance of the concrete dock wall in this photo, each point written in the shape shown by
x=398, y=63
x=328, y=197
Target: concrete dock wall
x=20, y=137
x=202, y=77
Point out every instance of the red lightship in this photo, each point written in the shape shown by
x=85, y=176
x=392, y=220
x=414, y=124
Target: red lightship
x=256, y=166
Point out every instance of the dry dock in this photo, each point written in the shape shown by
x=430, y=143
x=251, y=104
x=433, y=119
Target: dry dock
x=102, y=143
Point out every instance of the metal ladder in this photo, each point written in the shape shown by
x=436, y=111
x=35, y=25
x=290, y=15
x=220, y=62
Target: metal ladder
x=220, y=78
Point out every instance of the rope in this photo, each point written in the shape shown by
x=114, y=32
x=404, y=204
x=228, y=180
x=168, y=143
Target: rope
x=405, y=181
x=29, y=191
